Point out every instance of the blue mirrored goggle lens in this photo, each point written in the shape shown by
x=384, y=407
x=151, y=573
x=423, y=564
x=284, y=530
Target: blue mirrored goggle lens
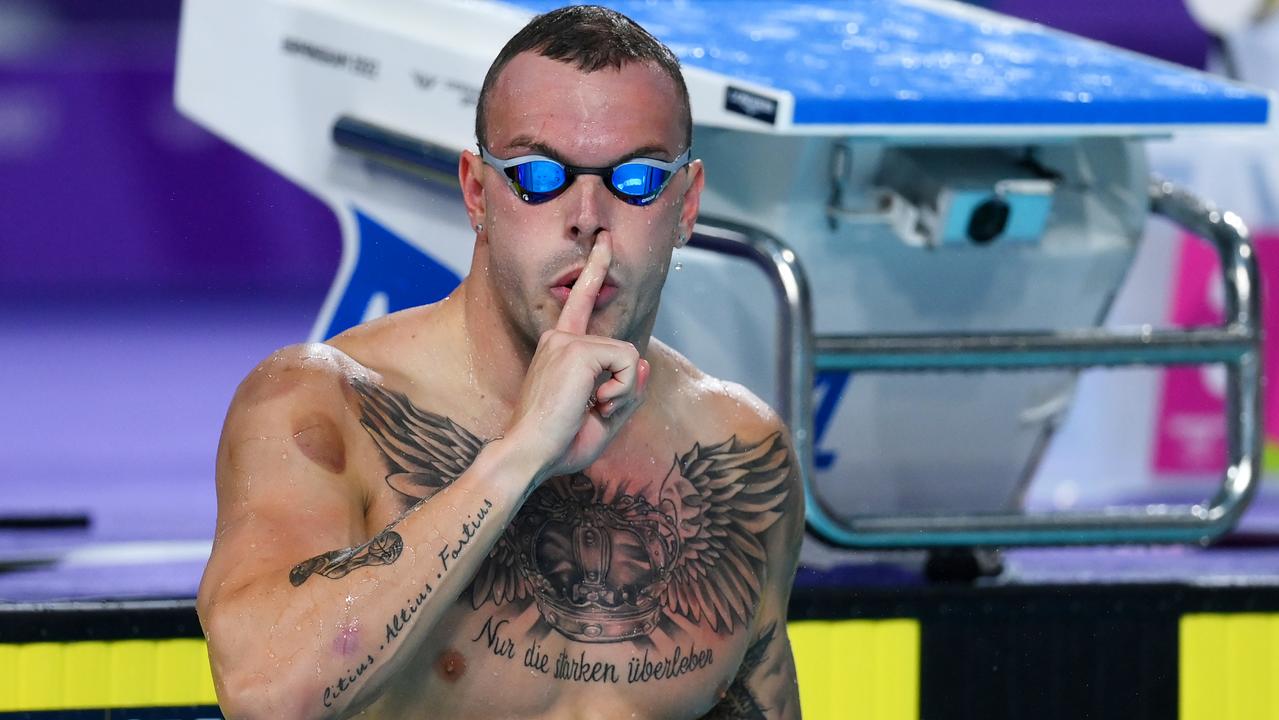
x=540, y=176
x=638, y=181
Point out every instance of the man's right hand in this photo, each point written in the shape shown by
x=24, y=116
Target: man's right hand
x=580, y=389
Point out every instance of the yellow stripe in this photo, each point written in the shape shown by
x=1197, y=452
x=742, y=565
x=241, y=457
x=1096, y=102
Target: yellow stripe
x=92, y=675
x=857, y=668
x=863, y=668
x=1229, y=666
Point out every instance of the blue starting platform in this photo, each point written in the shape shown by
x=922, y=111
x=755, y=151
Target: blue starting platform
x=875, y=66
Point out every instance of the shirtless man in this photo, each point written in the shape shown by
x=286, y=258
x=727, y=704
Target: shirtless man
x=515, y=503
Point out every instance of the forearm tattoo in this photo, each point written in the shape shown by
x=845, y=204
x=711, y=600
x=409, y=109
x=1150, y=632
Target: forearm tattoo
x=383, y=549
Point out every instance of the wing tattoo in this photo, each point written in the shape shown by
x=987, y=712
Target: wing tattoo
x=501, y=578
x=725, y=496
x=424, y=452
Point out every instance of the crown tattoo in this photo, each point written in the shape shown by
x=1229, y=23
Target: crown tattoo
x=597, y=569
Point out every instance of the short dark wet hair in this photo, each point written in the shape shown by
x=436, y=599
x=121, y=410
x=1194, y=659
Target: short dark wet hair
x=592, y=38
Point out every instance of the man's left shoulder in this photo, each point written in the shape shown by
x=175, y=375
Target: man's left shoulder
x=739, y=435
x=718, y=407
x=731, y=412
x=742, y=411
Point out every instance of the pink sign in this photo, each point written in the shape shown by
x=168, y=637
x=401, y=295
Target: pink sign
x=1190, y=435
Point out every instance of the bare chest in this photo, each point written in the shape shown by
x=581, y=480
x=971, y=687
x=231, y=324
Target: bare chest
x=626, y=590
x=584, y=608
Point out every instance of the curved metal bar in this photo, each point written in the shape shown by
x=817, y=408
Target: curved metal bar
x=1025, y=351
x=1237, y=344
x=1243, y=314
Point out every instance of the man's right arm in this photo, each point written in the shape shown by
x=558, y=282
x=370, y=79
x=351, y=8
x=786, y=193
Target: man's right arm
x=292, y=637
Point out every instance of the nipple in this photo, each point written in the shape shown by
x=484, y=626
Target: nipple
x=451, y=665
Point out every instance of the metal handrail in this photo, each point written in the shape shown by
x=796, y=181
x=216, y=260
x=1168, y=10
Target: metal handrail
x=1030, y=351
x=1236, y=343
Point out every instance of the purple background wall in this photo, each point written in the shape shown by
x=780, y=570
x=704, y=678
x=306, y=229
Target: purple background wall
x=105, y=188
x=1159, y=28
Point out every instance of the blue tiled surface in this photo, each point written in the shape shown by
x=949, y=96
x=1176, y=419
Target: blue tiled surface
x=885, y=62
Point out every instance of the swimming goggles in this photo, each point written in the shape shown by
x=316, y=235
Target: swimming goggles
x=536, y=178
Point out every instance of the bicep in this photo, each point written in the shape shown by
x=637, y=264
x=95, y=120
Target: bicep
x=276, y=507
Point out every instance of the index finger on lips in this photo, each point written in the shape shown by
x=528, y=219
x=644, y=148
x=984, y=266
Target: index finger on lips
x=577, y=309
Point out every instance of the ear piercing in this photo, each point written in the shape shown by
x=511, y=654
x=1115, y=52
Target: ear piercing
x=479, y=227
